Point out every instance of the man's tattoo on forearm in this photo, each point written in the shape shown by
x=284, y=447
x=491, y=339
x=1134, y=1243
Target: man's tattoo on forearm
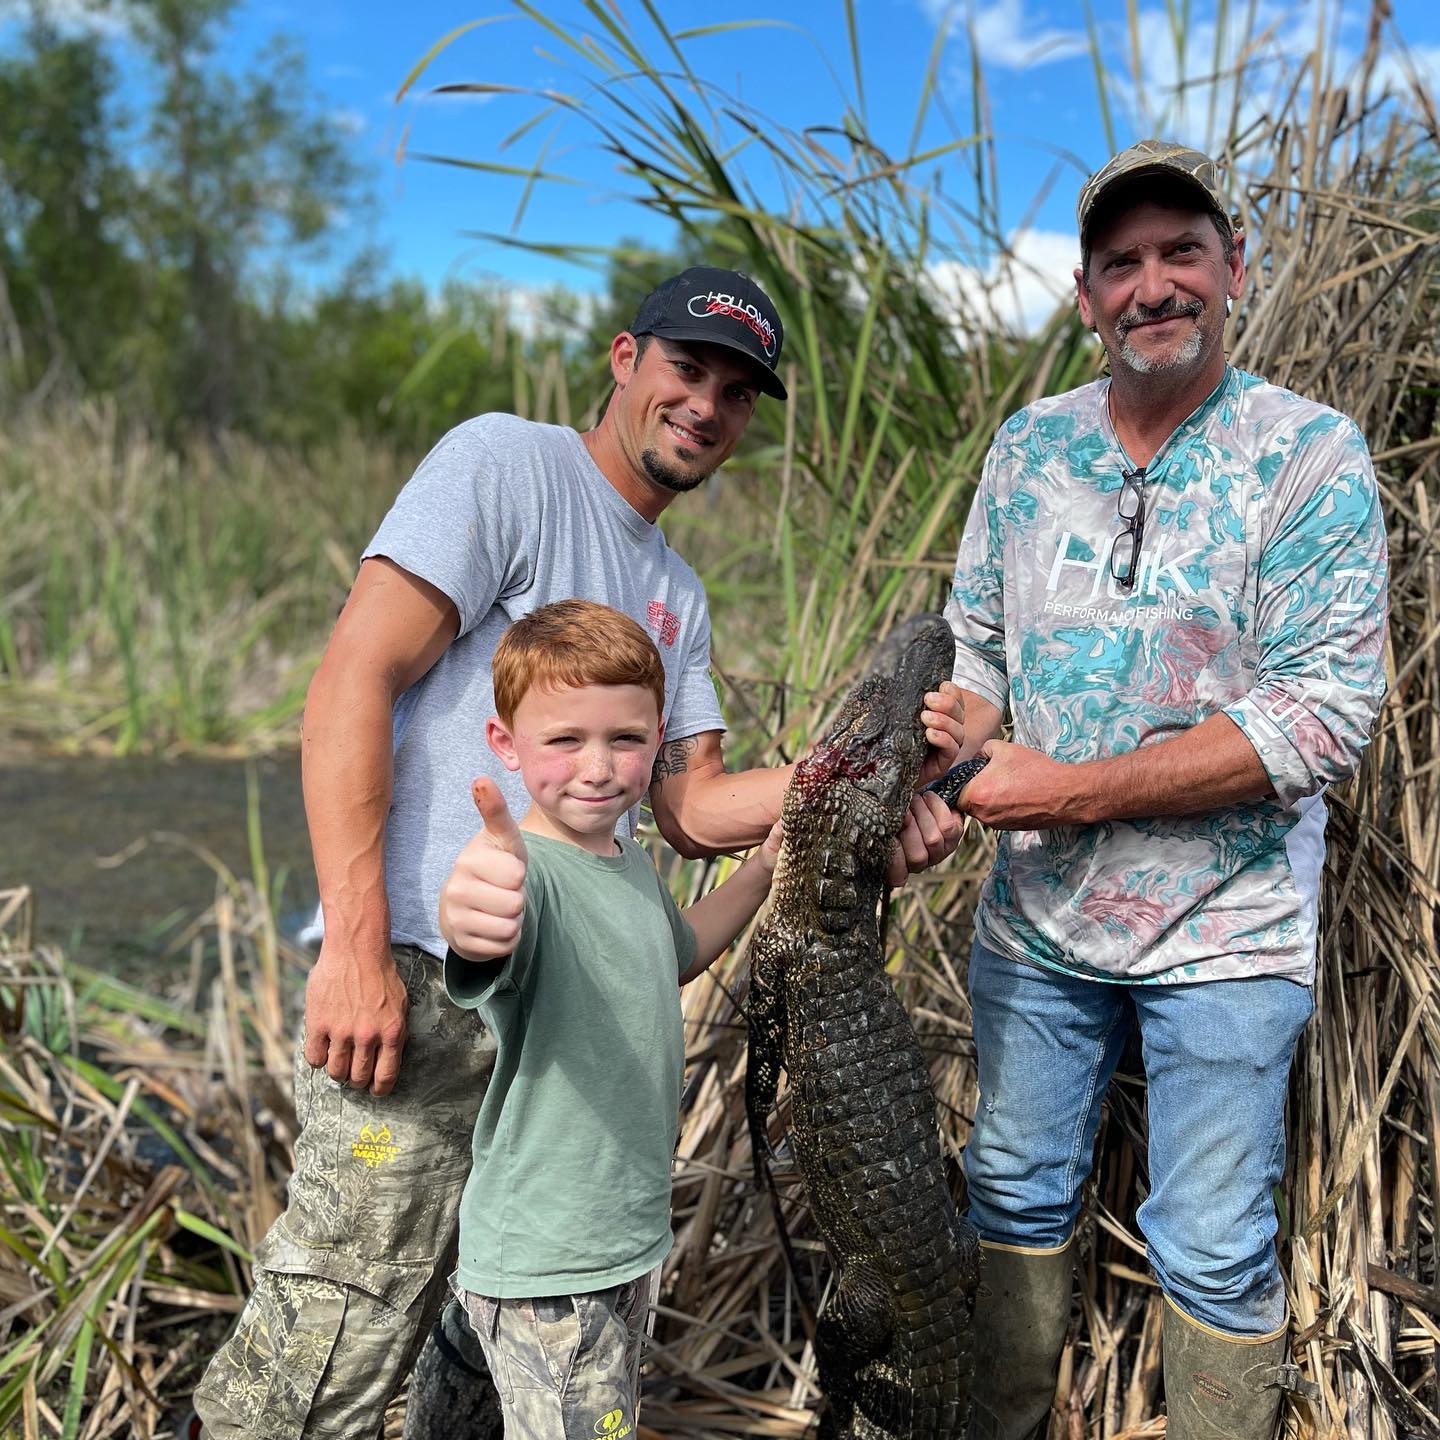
x=673, y=758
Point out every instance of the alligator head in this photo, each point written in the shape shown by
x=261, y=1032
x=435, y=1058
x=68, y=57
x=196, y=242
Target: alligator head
x=848, y=797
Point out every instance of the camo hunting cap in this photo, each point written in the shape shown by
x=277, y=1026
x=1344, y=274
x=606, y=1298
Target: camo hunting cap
x=1155, y=157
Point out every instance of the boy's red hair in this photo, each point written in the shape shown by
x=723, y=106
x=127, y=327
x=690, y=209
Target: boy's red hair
x=573, y=642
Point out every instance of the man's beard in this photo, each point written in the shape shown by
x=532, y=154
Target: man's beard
x=1182, y=358
x=670, y=477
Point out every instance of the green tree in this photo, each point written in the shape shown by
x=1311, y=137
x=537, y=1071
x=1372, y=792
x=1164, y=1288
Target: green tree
x=68, y=282
x=148, y=255
x=239, y=165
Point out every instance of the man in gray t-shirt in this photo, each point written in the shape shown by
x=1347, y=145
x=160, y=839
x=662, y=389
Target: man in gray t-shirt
x=503, y=516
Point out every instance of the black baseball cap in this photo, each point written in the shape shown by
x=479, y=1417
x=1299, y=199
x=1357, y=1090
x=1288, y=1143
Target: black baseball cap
x=722, y=307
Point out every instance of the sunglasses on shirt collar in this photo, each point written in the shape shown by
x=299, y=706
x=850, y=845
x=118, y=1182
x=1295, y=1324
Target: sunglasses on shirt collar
x=1130, y=507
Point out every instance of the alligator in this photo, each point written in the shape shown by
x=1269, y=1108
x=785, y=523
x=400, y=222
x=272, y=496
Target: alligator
x=892, y=1345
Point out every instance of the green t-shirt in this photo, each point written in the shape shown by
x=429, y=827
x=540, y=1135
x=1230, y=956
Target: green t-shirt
x=570, y=1187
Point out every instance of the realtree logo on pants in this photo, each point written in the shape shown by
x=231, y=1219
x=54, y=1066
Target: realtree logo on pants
x=612, y=1425
x=374, y=1147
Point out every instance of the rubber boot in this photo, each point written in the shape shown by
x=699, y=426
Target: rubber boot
x=1022, y=1311
x=1217, y=1386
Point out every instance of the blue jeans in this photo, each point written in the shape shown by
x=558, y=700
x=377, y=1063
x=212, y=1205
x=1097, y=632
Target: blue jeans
x=1217, y=1061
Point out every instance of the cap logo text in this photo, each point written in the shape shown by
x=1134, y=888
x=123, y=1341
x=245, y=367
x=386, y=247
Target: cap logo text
x=718, y=303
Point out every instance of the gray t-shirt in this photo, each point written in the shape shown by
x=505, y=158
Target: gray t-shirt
x=505, y=516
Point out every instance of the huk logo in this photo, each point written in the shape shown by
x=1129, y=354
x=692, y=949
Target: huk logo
x=374, y=1146
x=1158, y=565
x=612, y=1425
x=717, y=303
x=1153, y=564
x=665, y=623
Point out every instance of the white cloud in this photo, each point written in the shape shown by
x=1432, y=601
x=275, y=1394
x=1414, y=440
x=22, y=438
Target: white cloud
x=1423, y=63
x=532, y=308
x=349, y=122
x=1211, y=81
x=69, y=16
x=1004, y=36
x=1017, y=292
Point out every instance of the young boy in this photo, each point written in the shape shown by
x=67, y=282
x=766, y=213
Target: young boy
x=573, y=951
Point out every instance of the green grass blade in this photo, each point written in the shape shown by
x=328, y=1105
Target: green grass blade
x=79, y=1374
x=852, y=34
x=1102, y=81
x=203, y=1228
x=444, y=42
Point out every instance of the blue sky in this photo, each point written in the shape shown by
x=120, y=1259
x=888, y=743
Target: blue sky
x=1039, y=81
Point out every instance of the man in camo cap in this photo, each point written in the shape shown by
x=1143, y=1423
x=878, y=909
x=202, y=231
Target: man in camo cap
x=1174, y=579
x=1158, y=160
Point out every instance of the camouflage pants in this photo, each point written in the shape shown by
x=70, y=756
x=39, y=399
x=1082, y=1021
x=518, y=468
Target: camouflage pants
x=567, y=1366
x=350, y=1278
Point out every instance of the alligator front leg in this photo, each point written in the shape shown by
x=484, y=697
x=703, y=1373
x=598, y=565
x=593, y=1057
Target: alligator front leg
x=765, y=1059
x=765, y=1056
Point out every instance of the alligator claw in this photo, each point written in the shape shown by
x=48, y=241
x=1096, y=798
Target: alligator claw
x=955, y=779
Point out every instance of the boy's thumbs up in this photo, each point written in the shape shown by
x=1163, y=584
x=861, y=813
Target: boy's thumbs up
x=482, y=901
x=500, y=826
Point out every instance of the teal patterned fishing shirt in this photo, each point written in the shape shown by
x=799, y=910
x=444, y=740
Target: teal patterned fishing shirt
x=1261, y=594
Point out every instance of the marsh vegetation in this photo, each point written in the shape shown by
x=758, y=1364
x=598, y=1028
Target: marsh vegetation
x=156, y=593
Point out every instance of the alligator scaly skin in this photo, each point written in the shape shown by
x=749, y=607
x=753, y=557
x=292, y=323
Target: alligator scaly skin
x=893, y=1343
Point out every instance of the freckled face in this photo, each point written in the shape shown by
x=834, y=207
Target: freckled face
x=585, y=754
x=1157, y=284
x=683, y=409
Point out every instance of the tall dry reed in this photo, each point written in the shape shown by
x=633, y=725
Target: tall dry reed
x=151, y=597
x=844, y=514
x=896, y=394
